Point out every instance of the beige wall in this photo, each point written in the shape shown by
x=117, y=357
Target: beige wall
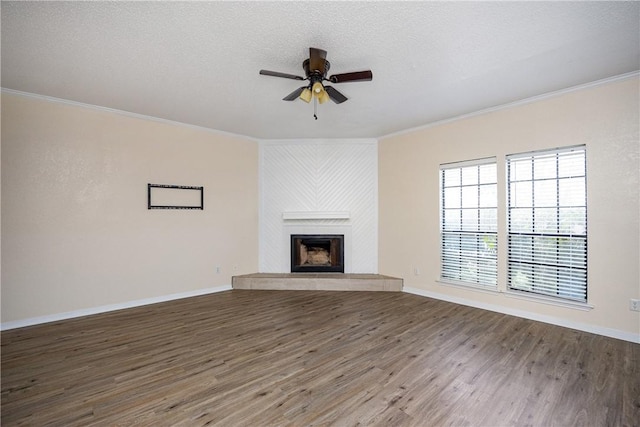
x=76, y=231
x=603, y=117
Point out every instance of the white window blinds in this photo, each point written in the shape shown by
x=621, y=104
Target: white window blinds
x=547, y=223
x=468, y=223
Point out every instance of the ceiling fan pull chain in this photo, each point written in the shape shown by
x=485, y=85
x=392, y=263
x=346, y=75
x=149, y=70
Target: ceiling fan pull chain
x=315, y=107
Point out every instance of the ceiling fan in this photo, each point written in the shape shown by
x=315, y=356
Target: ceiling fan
x=315, y=70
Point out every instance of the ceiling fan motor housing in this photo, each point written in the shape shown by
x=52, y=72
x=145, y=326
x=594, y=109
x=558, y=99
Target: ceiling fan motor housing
x=318, y=75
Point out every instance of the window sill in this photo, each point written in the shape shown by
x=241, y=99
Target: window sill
x=467, y=285
x=550, y=300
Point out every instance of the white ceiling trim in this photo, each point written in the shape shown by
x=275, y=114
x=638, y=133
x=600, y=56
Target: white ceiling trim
x=316, y=141
x=124, y=113
x=521, y=102
x=601, y=82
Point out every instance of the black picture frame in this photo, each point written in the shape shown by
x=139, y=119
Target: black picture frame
x=151, y=205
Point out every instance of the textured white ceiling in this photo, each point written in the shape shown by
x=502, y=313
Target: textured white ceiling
x=198, y=62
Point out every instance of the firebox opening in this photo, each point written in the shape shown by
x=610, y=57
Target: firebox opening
x=317, y=253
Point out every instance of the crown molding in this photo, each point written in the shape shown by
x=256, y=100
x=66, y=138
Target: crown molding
x=123, y=113
x=316, y=141
x=508, y=105
x=621, y=77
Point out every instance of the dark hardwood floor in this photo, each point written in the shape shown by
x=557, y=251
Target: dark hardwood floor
x=260, y=358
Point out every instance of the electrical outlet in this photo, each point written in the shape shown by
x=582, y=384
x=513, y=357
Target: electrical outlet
x=217, y=270
x=634, y=305
x=416, y=271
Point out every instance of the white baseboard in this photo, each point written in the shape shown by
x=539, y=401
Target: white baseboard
x=111, y=307
x=607, y=332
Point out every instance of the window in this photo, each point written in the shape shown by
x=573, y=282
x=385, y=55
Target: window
x=547, y=223
x=468, y=223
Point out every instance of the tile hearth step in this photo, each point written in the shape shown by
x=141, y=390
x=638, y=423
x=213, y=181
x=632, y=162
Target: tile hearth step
x=317, y=282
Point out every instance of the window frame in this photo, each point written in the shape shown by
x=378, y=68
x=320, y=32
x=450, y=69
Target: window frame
x=573, y=271
x=447, y=262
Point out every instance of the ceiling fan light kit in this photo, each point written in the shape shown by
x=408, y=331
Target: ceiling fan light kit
x=315, y=69
x=306, y=95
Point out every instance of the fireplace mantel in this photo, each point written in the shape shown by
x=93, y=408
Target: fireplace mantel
x=316, y=215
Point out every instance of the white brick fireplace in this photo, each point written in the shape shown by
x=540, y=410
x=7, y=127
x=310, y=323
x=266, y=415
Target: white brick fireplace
x=319, y=187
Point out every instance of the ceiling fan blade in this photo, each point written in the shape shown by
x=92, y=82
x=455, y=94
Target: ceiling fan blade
x=352, y=77
x=317, y=59
x=335, y=96
x=278, y=74
x=294, y=95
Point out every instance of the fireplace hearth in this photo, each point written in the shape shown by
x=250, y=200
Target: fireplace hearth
x=317, y=253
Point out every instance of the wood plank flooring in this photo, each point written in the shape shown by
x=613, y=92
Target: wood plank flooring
x=296, y=358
